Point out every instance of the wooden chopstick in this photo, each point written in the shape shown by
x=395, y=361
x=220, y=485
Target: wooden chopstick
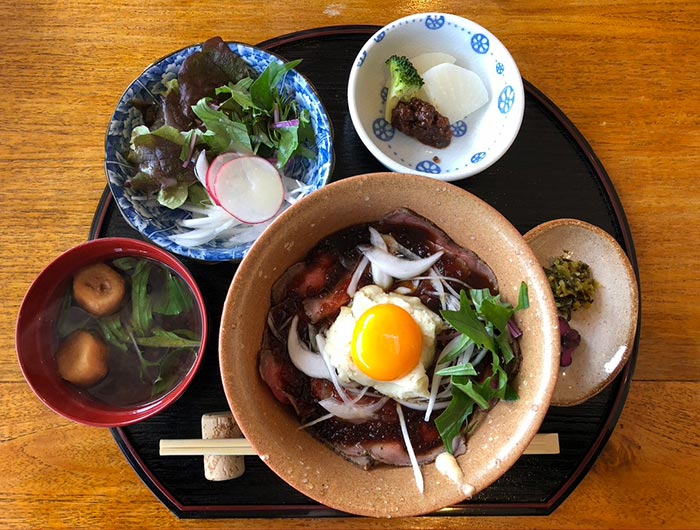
x=541, y=444
x=212, y=446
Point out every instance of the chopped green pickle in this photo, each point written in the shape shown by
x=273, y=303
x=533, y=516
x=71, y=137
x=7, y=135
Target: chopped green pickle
x=572, y=284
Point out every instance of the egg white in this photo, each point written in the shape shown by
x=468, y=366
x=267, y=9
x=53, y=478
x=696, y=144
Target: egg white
x=339, y=340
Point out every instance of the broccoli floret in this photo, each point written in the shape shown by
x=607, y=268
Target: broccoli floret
x=404, y=83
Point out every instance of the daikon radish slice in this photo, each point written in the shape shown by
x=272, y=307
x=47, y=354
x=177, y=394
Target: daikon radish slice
x=454, y=91
x=249, y=188
x=426, y=61
x=213, y=169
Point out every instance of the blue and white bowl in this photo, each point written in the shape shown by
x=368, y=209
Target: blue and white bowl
x=479, y=139
x=157, y=222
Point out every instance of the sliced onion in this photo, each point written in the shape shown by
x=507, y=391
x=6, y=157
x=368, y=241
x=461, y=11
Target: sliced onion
x=295, y=189
x=446, y=393
x=381, y=278
x=244, y=233
x=351, y=410
x=321, y=341
x=273, y=327
x=201, y=166
x=361, y=394
x=212, y=218
x=397, y=267
x=312, y=364
x=437, y=284
x=212, y=222
x=317, y=420
x=445, y=280
x=200, y=236
x=479, y=357
x=450, y=347
x=423, y=405
x=466, y=355
x=436, y=379
x=453, y=303
x=376, y=238
x=395, y=247
x=355, y=279
x=409, y=448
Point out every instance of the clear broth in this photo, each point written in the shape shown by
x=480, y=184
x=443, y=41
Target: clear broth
x=139, y=374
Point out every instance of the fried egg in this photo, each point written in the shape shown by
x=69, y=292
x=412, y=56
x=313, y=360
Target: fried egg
x=386, y=341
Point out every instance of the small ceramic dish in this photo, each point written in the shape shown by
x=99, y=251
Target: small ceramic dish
x=306, y=463
x=480, y=138
x=122, y=396
x=159, y=223
x=608, y=326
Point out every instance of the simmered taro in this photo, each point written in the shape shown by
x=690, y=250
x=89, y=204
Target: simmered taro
x=388, y=339
x=129, y=331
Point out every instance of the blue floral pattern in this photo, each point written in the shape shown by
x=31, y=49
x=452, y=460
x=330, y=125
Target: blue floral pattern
x=480, y=43
x=434, y=22
x=459, y=128
x=470, y=151
x=506, y=99
x=428, y=166
x=156, y=222
x=383, y=130
x=361, y=60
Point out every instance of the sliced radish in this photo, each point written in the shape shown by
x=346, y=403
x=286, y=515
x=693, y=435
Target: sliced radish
x=425, y=61
x=213, y=169
x=249, y=188
x=454, y=91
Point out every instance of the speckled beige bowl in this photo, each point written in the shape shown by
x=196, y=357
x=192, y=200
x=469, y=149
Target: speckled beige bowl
x=308, y=465
x=608, y=327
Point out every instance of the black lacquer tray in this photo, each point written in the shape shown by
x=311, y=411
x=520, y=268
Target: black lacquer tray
x=548, y=173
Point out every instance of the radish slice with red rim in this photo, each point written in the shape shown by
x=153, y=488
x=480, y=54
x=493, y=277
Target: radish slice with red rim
x=213, y=169
x=249, y=188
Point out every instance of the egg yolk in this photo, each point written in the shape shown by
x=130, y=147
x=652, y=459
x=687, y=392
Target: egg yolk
x=386, y=343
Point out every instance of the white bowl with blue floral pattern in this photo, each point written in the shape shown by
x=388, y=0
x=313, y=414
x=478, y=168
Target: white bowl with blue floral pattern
x=158, y=223
x=479, y=139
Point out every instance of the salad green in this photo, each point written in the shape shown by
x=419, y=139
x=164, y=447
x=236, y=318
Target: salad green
x=217, y=104
x=485, y=321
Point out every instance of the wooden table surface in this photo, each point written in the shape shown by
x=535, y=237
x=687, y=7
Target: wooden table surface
x=627, y=73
